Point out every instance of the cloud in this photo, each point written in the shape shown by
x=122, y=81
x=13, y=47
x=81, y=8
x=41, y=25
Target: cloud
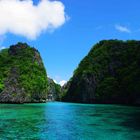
x=62, y=83
x=55, y=81
x=29, y=20
x=121, y=28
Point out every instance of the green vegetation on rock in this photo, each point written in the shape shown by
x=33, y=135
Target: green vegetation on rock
x=22, y=75
x=110, y=73
x=54, y=91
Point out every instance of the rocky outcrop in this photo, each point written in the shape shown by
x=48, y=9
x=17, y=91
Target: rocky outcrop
x=22, y=75
x=17, y=49
x=110, y=73
x=54, y=91
x=12, y=92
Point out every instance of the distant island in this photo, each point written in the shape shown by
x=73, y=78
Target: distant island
x=110, y=74
x=23, y=78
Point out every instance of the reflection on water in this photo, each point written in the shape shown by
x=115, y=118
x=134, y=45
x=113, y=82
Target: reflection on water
x=65, y=121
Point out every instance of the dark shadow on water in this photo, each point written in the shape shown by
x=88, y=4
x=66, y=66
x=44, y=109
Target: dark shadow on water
x=95, y=115
x=132, y=122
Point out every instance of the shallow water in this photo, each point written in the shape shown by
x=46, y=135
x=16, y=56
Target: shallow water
x=67, y=121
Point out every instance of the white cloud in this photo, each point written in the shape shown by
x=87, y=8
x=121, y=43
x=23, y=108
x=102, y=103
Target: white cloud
x=29, y=20
x=121, y=28
x=55, y=81
x=62, y=82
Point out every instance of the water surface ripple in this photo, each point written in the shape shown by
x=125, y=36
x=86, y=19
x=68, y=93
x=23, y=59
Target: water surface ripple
x=68, y=121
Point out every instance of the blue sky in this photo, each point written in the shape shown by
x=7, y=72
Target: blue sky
x=89, y=22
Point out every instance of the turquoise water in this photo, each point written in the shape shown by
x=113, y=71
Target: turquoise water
x=67, y=121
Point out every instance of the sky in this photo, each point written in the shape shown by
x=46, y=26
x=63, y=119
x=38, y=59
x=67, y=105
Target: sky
x=64, y=31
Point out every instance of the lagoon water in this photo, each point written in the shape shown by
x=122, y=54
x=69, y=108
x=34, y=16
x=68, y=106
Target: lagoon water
x=68, y=121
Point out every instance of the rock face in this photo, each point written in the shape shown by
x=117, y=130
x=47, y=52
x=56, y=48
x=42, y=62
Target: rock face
x=22, y=75
x=12, y=91
x=54, y=91
x=110, y=73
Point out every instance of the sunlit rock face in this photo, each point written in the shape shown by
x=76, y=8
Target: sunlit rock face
x=22, y=75
x=54, y=91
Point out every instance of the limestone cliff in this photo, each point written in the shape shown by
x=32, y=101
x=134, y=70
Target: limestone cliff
x=110, y=73
x=22, y=75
